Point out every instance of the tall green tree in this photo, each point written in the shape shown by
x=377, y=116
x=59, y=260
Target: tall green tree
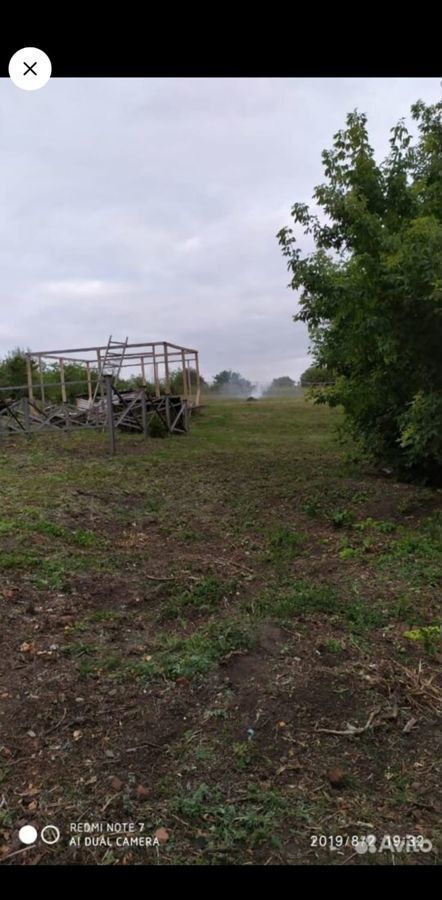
x=231, y=383
x=282, y=385
x=315, y=375
x=75, y=377
x=176, y=381
x=371, y=292
x=13, y=371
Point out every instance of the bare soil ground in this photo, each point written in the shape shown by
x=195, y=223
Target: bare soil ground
x=226, y=644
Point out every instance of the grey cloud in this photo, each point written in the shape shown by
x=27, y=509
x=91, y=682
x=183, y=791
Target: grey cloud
x=149, y=208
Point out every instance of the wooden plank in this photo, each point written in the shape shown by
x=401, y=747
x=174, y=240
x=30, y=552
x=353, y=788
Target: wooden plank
x=62, y=352
x=110, y=414
x=144, y=414
x=166, y=368
x=183, y=364
x=63, y=386
x=26, y=415
x=29, y=375
x=100, y=374
x=180, y=413
x=42, y=387
x=125, y=412
x=155, y=376
x=89, y=382
x=198, y=382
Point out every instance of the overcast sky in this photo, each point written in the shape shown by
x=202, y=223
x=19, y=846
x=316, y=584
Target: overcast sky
x=149, y=208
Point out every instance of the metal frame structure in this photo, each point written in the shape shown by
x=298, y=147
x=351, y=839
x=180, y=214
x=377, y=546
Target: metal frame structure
x=154, y=362
x=105, y=406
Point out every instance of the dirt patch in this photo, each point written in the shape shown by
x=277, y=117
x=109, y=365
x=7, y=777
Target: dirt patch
x=128, y=693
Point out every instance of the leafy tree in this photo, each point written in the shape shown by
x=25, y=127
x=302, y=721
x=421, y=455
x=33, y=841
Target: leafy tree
x=221, y=379
x=73, y=372
x=176, y=381
x=13, y=371
x=314, y=375
x=282, y=385
x=284, y=382
x=372, y=289
x=136, y=381
x=231, y=383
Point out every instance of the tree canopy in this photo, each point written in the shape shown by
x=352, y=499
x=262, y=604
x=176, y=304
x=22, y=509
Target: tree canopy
x=315, y=375
x=231, y=383
x=282, y=385
x=371, y=291
x=13, y=368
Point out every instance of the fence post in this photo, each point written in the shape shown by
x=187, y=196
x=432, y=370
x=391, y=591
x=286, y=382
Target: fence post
x=144, y=413
x=110, y=414
x=26, y=415
x=167, y=404
x=186, y=415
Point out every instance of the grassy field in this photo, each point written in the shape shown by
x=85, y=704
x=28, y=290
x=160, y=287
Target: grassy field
x=229, y=639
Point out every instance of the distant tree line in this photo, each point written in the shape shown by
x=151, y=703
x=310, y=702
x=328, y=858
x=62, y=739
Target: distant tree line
x=13, y=372
x=231, y=384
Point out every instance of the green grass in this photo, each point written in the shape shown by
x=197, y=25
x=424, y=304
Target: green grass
x=208, y=594
x=173, y=657
x=170, y=561
x=284, y=545
x=259, y=817
x=294, y=600
x=309, y=502
x=104, y=615
x=415, y=556
x=333, y=646
x=7, y=818
x=79, y=650
x=168, y=656
x=430, y=636
x=16, y=560
x=346, y=606
x=309, y=499
x=341, y=517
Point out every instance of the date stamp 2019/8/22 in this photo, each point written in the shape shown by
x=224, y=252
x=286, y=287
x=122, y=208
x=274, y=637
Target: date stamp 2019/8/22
x=371, y=843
